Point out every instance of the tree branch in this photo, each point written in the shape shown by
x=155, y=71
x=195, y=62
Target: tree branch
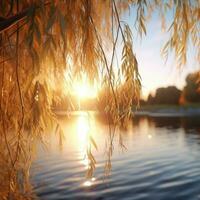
x=105, y=60
x=6, y=23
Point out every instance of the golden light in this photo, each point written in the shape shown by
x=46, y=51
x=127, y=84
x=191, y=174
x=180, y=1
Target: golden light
x=83, y=128
x=88, y=183
x=149, y=136
x=84, y=90
x=80, y=87
x=83, y=131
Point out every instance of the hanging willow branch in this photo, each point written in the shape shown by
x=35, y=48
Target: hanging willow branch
x=8, y=22
x=42, y=41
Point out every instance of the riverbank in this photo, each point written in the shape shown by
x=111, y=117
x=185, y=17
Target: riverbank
x=168, y=110
x=188, y=110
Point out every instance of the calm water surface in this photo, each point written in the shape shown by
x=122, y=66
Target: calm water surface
x=161, y=161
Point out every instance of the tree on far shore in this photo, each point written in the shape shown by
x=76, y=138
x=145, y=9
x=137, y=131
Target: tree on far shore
x=191, y=92
x=168, y=95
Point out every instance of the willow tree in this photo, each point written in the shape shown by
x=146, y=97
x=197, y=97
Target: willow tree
x=45, y=45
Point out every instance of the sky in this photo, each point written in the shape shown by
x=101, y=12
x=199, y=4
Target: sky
x=154, y=69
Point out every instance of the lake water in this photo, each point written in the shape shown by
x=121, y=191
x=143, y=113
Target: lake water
x=161, y=160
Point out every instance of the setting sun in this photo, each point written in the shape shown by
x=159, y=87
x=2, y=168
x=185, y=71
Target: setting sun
x=84, y=90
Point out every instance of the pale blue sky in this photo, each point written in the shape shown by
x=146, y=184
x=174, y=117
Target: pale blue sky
x=154, y=69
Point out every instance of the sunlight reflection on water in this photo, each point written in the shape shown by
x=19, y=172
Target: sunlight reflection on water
x=89, y=183
x=162, y=161
x=84, y=131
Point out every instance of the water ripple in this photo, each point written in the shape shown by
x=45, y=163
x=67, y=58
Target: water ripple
x=165, y=166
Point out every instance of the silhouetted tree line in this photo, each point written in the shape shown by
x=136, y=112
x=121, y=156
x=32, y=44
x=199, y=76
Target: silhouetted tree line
x=164, y=95
x=191, y=91
x=172, y=95
x=168, y=95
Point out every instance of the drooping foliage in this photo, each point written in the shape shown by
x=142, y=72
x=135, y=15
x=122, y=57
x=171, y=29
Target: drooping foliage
x=46, y=45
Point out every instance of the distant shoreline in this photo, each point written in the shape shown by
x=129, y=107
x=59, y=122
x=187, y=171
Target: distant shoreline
x=168, y=110
x=190, y=110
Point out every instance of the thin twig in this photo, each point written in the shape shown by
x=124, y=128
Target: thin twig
x=6, y=60
x=117, y=15
x=113, y=51
x=19, y=27
x=6, y=23
x=19, y=89
x=2, y=115
x=105, y=60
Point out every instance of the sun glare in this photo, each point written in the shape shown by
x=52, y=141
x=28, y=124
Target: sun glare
x=81, y=87
x=84, y=90
x=83, y=128
x=83, y=131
